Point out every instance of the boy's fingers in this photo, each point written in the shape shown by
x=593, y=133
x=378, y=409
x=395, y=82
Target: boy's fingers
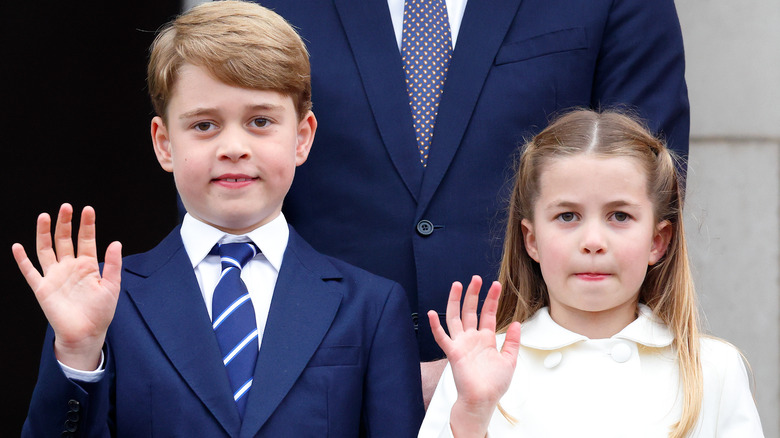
x=470, y=303
x=453, y=309
x=43, y=243
x=31, y=275
x=86, y=241
x=63, y=242
x=438, y=331
x=511, y=343
x=112, y=268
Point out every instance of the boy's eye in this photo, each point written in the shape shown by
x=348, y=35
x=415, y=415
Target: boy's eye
x=260, y=122
x=567, y=217
x=203, y=126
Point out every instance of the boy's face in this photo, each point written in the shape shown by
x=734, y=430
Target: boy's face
x=233, y=151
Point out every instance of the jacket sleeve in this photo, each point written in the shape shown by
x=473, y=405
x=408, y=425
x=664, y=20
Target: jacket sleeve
x=641, y=63
x=737, y=416
x=392, y=404
x=63, y=407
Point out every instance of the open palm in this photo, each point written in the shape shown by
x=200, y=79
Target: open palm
x=78, y=302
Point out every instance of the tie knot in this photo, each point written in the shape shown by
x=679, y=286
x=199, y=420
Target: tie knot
x=236, y=255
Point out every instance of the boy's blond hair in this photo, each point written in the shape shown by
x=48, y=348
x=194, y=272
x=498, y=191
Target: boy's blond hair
x=239, y=43
x=668, y=286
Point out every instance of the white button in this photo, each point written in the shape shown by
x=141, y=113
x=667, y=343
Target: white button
x=621, y=352
x=553, y=359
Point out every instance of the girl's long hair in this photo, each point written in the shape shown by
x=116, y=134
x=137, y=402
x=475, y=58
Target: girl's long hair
x=668, y=286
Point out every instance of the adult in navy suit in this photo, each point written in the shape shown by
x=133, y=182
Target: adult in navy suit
x=135, y=347
x=363, y=195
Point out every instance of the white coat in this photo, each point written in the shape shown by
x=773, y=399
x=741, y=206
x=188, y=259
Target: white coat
x=566, y=385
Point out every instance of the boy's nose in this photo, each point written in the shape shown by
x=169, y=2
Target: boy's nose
x=234, y=147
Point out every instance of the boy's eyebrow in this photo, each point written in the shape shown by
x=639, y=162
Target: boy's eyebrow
x=206, y=110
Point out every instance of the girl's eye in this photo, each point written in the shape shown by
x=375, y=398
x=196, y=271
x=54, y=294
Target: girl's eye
x=203, y=126
x=567, y=217
x=261, y=122
x=620, y=216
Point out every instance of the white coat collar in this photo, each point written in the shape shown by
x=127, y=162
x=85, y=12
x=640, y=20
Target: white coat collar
x=542, y=333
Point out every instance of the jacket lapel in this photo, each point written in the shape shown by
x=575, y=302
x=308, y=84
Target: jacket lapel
x=164, y=289
x=369, y=30
x=482, y=31
x=302, y=310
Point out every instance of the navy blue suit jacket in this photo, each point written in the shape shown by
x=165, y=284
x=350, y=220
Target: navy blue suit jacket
x=363, y=196
x=338, y=358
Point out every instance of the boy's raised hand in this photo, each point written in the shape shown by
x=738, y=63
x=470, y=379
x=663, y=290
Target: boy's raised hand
x=482, y=373
x=78, y=302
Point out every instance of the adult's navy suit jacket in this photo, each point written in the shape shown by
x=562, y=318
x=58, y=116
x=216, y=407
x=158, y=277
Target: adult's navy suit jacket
x=338, y=358
x=363, y=196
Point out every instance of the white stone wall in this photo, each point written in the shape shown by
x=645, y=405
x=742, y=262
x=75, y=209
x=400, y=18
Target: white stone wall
x=733, y=198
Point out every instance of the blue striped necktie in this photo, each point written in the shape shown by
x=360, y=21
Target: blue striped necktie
x=234, y=320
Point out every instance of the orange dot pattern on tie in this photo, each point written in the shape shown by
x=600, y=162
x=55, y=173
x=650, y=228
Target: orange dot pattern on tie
x=426, y=50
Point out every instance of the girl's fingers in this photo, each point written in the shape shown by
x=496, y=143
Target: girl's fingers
x=438, y=332
x=511, y=343
x=487, y=319
x=454, y=324
x=471, y=302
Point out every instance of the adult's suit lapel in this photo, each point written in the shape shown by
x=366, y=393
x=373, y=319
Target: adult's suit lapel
x=302, y=310
x=370, y=33
x=163, y=287
x=484, y=26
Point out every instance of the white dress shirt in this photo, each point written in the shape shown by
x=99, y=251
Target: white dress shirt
x=259, y=274
x=455, y=10
x=566, y=385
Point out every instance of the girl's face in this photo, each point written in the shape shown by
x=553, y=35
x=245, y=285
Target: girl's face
x=594, y=233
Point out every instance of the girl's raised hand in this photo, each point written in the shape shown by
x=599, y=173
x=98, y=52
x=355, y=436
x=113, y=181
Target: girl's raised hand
x=78, y=302
x=482, y=373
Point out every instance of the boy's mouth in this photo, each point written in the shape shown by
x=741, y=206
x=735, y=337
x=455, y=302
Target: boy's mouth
x=234, y=180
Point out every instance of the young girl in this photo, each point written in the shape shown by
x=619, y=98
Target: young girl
x=595, y=267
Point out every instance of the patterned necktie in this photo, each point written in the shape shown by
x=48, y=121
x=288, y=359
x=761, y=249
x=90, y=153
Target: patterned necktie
x=426, y=50
x=234, y=319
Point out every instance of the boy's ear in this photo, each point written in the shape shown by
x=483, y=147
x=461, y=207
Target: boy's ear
x=529, y=238
x=661, y=239
x=306, y=129
x=162, y=143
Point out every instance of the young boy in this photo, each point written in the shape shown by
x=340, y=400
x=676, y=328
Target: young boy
x=330, y=349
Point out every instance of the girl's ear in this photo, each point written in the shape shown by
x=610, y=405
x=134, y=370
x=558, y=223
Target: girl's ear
x=162, y=143
x=306, y=129
x=529, y=238
x=660, y=243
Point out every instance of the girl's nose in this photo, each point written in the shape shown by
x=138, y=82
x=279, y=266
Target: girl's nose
x=593, y=239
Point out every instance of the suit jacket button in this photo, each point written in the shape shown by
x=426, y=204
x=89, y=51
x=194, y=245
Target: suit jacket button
x=71, y=426
x=425, y=227
x=74, y=405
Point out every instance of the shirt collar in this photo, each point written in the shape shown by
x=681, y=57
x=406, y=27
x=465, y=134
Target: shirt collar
x=199, y=237
x=542, y=333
